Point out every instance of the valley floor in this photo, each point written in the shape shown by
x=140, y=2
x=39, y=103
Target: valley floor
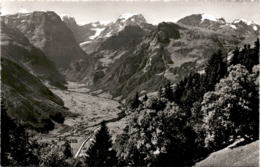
x=89, y=111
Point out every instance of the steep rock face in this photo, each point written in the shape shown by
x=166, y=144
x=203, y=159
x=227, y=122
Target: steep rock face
x=73, y=26
x=16, y=47
x=28, y=100
x=48, y=32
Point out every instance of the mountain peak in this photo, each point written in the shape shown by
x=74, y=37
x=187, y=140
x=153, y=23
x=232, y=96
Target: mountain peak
x=69, y=20
x=126, y=16
x=133, y=17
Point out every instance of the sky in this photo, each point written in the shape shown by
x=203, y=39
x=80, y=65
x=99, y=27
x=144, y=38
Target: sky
x=154, y=11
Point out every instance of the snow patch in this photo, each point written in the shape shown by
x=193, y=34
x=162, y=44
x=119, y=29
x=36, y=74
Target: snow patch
x=208, y=17
x=233, y=26
x=255, y=28
x=83, y=43
x=98, y=32
x=126, y=16
x=94, y=24
x=109, y=34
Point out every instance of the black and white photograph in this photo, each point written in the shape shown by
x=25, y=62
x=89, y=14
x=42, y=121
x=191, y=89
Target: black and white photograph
x=129, y=83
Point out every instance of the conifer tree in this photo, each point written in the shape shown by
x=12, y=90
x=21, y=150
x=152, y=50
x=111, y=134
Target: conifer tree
x=247, y=57
x=135, y=101
x=168, y=92
x=257, y=45
x=160, y=92
x=215, y=70
x=145, y=97
x=67, y=151
x=101, y=152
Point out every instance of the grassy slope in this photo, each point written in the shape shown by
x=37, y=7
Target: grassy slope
x=28, y=100
x=243, y=156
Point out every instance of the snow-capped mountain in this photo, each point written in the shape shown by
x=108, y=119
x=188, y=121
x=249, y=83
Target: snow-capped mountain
x=124, y=20
x=239, y=27
x=203, y=20
x=86, y=34
x=131, y=54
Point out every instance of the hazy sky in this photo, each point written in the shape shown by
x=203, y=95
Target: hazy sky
x=153, y=11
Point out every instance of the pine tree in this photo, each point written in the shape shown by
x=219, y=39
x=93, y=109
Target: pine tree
x=215, y=70
x=234, y=59
x=160, y=92
x=257, y=45
x=247, y=57
x=135, y=102
x=67, y=151
x=168, y=92
x=101, y=152
x=145, y=98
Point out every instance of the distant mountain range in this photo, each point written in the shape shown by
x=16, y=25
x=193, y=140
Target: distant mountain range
x=127, y=49
x=122, y=57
